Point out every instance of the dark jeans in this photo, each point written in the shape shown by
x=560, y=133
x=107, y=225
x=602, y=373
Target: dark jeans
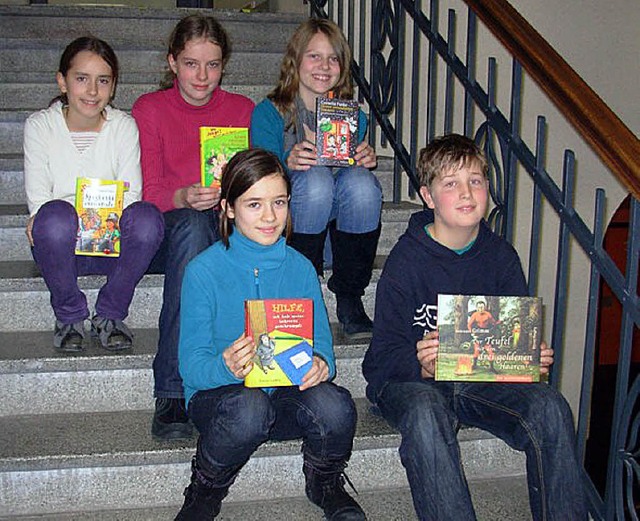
x=234, y=421
x=54, y=235
x=533, y=418
x=187, y=233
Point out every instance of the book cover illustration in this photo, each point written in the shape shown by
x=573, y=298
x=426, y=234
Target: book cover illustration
x=282, y=330
x=99, y=204
x=489, y=339
x=336, y=131
x=217, y=146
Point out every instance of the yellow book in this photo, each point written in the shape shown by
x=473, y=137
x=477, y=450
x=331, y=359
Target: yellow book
x=217, y=146
x=99, y=204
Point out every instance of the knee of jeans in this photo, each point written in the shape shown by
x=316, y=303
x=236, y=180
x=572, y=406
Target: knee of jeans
x=334, y=408
x=250, y=415
x=143, y=222
x=429, y=422
x=358, y=187
x=56, y=222
x=313, y=187
x=193, y=231
x=553, y=419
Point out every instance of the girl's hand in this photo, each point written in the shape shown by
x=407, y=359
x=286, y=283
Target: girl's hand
x=196, y=197
x=302, y=156
x=318, y=373
x=427, y=350
x=29, y=230
x=238, y=356
x=366, y=155
x=546, y=358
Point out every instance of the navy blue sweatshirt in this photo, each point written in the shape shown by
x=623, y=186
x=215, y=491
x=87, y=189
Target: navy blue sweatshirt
x=417, y=270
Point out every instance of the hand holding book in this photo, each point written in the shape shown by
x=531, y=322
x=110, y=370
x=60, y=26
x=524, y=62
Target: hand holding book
x=318, y=373
x=427, y=351
x=238, y=356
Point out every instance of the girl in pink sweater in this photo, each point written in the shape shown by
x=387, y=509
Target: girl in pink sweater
x=169, y=121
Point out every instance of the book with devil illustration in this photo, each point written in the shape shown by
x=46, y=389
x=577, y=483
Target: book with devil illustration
x=336, y=131
x=282, y=330
x=489, y=339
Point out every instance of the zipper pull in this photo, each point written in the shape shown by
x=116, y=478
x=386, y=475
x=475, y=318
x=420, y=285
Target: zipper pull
x=256, y=281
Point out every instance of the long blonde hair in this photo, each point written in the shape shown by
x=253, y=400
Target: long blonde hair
x=284, y=94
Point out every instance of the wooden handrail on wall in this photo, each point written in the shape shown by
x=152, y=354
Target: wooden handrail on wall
x=608, y=136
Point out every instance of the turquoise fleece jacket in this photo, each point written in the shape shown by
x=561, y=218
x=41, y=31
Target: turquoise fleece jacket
x=216, y=284
x=267, y=129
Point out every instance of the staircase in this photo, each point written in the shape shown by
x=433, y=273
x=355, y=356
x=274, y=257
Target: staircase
x=74, y=430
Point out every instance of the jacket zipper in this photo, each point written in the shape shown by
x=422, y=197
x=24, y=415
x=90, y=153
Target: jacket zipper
x=256, y=281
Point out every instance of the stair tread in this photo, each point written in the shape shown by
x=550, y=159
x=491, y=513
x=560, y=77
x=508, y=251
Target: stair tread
x=32, y=351
x=500, y=499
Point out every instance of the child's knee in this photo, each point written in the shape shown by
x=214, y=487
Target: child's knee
x=55, y=222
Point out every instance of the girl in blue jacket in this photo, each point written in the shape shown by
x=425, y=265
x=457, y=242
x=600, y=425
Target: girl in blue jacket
x=252, y=261
x=346, y=201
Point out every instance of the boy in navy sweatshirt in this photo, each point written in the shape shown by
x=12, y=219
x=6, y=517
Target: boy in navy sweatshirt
x=455, y=252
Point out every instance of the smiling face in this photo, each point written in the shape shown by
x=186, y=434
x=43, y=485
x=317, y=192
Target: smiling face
x=319, y=70
x=198, y=69
x=260, y=213
x=459, y=199
x=89, y=87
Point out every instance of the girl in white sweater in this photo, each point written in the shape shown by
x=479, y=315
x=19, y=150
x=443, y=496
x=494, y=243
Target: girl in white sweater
x=82, y=135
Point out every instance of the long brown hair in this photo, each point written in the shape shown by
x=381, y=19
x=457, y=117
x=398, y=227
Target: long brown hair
x=195, y=27
x=94, y=45
x=285, y=92
x=242, y=171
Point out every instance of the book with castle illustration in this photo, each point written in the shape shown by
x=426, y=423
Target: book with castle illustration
x=217, y=146
x=99, y=204
x=488, y=338
x=282, y=330
x=336, y=131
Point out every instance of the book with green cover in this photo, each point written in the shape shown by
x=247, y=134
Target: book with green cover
x=489, y=338
x=217, y=146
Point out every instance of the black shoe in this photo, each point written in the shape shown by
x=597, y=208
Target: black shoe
x=113, y=335
x=170, y=420
x=69, y=337
x=202, y=499
x=325, y=488
x=356, y=325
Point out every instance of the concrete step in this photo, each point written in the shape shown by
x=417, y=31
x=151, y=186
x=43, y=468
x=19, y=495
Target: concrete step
x=97, y=461
x=95, y=380
x=139, y=28
x=13, y=220
x=501, y=499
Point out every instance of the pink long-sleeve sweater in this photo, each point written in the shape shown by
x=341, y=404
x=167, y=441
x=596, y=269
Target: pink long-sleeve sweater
x=169, y=137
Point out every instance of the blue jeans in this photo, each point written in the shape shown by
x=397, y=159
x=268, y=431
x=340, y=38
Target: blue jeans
x=54, y=236
x=234, y=421
x=533, y=418
x=350, y=196
x=187, y=233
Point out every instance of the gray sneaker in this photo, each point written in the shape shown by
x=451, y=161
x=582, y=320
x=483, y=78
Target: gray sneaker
x=113, y=335
x=69, y=337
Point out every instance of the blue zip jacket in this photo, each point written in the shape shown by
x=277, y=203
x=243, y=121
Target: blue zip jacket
x=216, y=284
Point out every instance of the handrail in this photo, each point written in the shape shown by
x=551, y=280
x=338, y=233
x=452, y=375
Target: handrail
x=613, y=142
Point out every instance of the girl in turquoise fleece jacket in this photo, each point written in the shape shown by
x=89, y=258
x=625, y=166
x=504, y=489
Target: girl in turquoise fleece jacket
x=252, y=261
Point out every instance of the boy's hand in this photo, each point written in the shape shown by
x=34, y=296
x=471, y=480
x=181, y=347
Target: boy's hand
x=29, y=229
x=366, y=155
x=318, y=373
x=238, y=356
x=302, y=156
x=546, y=358
x=197, y=197
x=427, y=351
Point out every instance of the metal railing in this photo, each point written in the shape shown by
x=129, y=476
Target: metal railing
x=418, y=85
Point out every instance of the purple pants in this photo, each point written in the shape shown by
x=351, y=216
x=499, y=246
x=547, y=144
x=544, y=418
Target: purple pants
x=54, y=240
